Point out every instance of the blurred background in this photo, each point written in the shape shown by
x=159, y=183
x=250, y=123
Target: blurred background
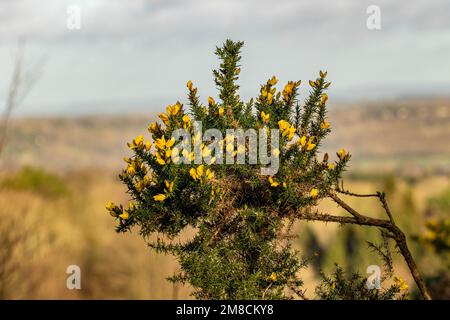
x=80, y=78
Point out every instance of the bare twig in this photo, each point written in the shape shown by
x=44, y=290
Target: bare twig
x=22, y=81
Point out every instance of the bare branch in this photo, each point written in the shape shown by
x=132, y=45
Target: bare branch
x=22, y=81
x=392, y=231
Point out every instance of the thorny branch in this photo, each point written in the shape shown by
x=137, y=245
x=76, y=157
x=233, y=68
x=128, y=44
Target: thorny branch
x=392, y=230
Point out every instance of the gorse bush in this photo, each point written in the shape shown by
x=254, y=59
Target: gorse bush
x=242, y=217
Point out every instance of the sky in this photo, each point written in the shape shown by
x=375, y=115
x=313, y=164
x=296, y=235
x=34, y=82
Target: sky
x=137, y=55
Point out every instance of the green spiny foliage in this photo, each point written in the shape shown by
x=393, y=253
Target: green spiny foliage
x=240, y=248
x=342, y=286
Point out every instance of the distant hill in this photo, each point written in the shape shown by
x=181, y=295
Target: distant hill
x=384, y=135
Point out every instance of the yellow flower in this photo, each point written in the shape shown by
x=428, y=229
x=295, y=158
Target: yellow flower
x=213, y=160
x=124, y=215
x=131, y=205
x=302, y=141
x=110, y=206
x=160, y=143
x=287, y=91
x=342, y=153
x=269, y=98
x=221, y=111
x=403, y=286
x=330, y=166
x=186, y=119
x=164, y=117
x=211, y=101
x=169, y=186
x=286, y=129
x=310, y=145
x=173, y=110
x=314, y=193
x=265, y=117
x=291, y=132
x=189, y=85
x=139, y=140
x=140, y=185
x=153, y=128
x=131, y=170
x=312, y=83
x=283, y=125
x=193, y=173
x=200, y=170
x=159, y=159
x=148, y=145
x=324, y=98
x=325, y=125
x=160, y=197
x=264, y=92
x=284, y=185
x=209, y=174
x=273, y=182
x=273, y=81
x=273, y=277
x=170, y=142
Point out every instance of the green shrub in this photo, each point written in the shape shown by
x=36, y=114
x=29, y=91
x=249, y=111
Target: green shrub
x=36, y=180
x=242, y=218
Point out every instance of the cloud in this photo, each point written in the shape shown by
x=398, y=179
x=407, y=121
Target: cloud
x=139, y=50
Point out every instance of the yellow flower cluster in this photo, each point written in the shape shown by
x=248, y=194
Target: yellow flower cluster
x=267, y=91
x=134, y=165
x=265, y=117
x=138, y=143
x=314, y=193
x=171, y=111
x=120, y=212
x=167, y=190
x=154, y=128
x=274, y=183
x=289, y=89
x=342, y=154
x=287, y=130
x=164, y=150
x=186, y=121
x=306, y=144
x=273, y=277
x=325, y=125
x=199, y=173
x=403, y=286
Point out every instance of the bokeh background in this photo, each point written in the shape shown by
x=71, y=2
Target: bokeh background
x=83, y=92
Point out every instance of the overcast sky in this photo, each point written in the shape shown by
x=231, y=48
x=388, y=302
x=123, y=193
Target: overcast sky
x=137, y=55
